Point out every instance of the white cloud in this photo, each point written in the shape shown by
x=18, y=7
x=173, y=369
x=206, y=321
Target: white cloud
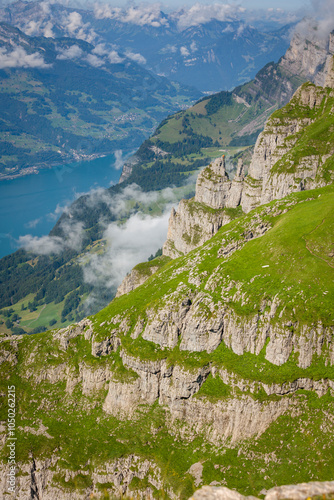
x=47, y=30
x=19, y=58
x=193, y=46
x=72, y=52
x=138, y=58
x=119, y=160
x=118, y=204
x=75, y=27
x=141, y=15
x=33, y=223
x=184, y=51
x=114, y=58
x=322, y=24
x=73, y=22
x=32, y=28
x=127, y=245
x=169, y=49
x=45, y=245
x=100, y=50
x=95, y=61
x=200, y=14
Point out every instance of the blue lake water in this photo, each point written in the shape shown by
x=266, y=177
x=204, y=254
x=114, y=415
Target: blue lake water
x=32, y=204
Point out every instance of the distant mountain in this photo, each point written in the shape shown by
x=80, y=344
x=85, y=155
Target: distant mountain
x=229, y=119
x=206, y=46
x=63, y=100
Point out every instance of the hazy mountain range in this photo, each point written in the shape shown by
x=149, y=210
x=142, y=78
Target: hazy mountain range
x=210, y=47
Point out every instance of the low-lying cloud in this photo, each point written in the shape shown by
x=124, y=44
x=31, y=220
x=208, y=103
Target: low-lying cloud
x=141, y=15
x=201, y=14
x=72, y=52
x=127, y=245
x=72, y=236
x=75, y=27
x=322, y=23
x=136, y=57
x=19, y=58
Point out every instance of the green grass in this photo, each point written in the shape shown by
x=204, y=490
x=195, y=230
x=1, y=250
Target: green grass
x=296, y=277
x=315, y=139
x=294, y=448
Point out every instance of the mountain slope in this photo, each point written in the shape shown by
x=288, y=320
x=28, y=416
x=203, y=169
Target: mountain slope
x=28, y=280
x=294, y=153
x=62, y=101
x=220, y=358
x=230, y=119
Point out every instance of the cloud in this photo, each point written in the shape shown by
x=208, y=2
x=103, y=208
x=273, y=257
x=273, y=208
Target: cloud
x=322, y=23
x=19, y=58
x=169, y=49
x=138, y=58
x=184, y=51
x=33, y=223
x=102, y=50
x=119, y=160
x=75, y=27
x=141, y=15
x=73, y=22
x=193, y=46
x=127, y=245
x=200, y=14
x=114, y=58
x=72, y=52
x=45, y=245
x=95, y=61
x=47, y=30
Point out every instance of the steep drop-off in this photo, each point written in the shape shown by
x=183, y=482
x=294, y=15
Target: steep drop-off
x=223, y=357
x=294, y=153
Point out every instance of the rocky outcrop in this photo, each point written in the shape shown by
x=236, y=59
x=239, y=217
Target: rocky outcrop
x=276, y=170
x=329, y=81
x=134, y=279
x=301, y=491
x=266, y=179
x=38, y=479
x=308, y=53
x=213, y=185
x=198, y=219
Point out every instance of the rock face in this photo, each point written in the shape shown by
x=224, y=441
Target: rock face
x=198, y=219
x=274, y=172
x=281, y=164
x=133, y=280
x=308, y=54
x=301, y=491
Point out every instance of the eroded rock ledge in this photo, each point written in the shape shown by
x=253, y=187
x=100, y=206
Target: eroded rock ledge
x=300, y=491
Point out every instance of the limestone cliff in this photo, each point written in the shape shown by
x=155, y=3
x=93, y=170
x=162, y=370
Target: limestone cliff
x=201, y=372
x=302, y=491
x=295, y=152
x=308, y=53
x=198, y=219
x=139, y=274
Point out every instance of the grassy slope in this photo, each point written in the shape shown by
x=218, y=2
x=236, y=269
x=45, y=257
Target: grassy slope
x=315, y=140
x=294, y=449
x=260, y=95
x=229, y=120
x=296, y=276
